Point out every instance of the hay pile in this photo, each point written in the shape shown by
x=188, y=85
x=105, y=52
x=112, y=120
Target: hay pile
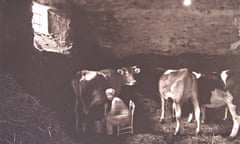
x=23, y=120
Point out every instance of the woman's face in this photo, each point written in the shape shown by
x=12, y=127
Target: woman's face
x=110, y=93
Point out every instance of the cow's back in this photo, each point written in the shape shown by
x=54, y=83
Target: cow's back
x=180, y=86
x=177, y=83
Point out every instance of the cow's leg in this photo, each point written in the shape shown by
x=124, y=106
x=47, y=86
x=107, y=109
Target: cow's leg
x=232, y=109
x=197, y=113
x=203, y=110
x=190, y=117
x=76, y=108
x=225, y=113
x=234, y=128
x=162, y=110
x=84, y=117
x=84, y=126
x=76, y=115
x=99, y=126
x=178, y=117
x=173, y=112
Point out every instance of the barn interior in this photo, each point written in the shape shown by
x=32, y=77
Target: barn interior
x=43, y=43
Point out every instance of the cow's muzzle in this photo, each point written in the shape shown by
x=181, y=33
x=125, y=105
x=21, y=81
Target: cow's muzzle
x=131, y=83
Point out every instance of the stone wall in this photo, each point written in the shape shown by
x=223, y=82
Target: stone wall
x=164, y=27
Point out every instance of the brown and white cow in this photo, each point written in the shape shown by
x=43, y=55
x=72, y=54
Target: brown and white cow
x=231, y=97
x=207, y=82
x=180, y=86
x=89, y=88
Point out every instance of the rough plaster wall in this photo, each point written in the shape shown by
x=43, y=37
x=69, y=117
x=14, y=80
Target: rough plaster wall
x=165, y=32
x=164, y=27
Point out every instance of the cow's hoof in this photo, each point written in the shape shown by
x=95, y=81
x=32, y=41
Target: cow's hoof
x=203, y=121
x=198, y=133
x=231, y=137
x=162, y=121
x=77, y=130
x=189, y=120
x=176, y=133
x=83, y=129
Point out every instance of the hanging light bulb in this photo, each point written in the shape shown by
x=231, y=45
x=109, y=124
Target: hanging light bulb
x=187, y=2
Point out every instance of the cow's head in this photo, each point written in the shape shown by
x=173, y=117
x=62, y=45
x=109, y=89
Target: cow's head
x=197, y=74
x=128, y=73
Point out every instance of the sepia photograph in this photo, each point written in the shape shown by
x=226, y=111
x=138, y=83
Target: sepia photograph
x=119, y=71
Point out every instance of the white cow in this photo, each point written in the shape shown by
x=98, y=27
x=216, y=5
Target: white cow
x=180, y=86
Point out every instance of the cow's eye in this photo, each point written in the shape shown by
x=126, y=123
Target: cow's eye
x=137, y=70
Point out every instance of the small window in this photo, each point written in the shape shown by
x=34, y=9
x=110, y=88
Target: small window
x=40, y=18
x=50, y=29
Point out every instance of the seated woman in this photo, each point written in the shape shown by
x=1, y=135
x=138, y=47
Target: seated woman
x=118, y=113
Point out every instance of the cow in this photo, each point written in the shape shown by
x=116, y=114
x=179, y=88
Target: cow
x=231, y=97
x=207, y=82
x=89, y=88
x=179, y=86
x=227, y=98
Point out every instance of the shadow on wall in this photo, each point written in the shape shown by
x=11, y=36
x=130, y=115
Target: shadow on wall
x=86, y=52
x=50, y=81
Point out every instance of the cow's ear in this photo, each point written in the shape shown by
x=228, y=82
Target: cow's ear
x=120, y=71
